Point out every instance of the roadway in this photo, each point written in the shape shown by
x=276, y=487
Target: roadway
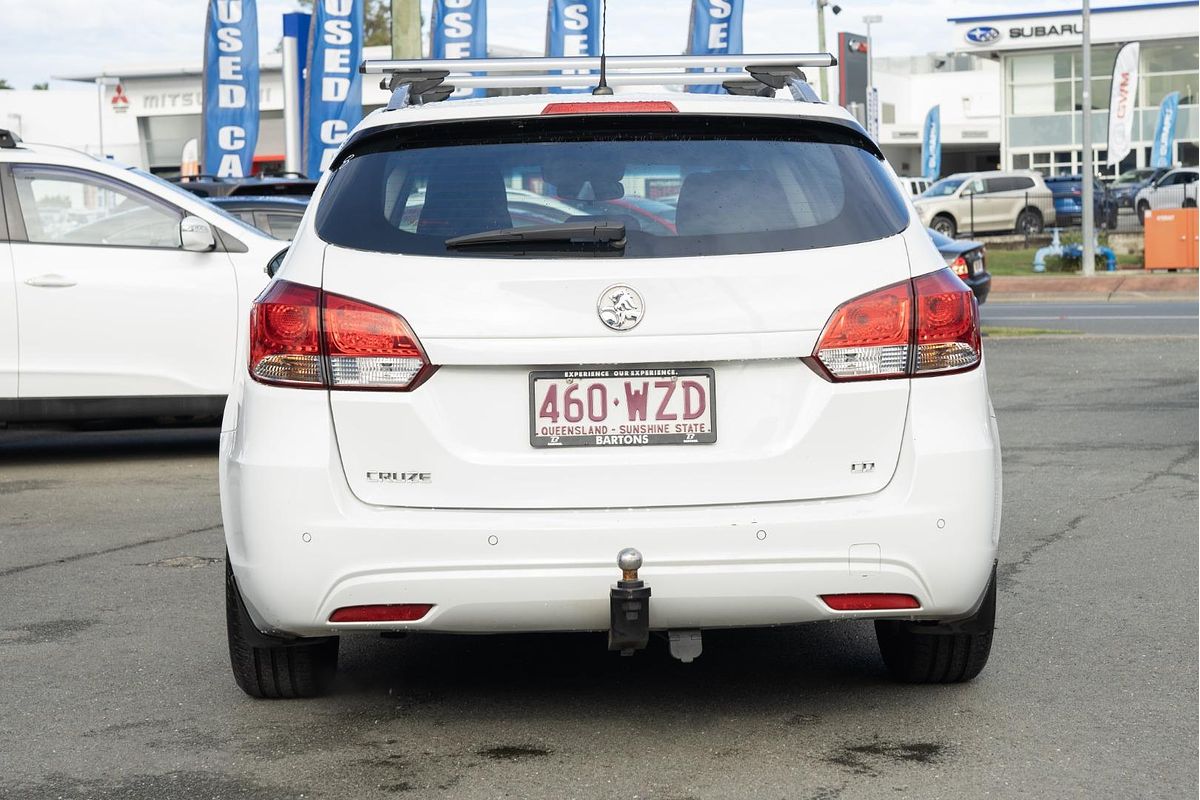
x=117, y=684
x=1139, y=318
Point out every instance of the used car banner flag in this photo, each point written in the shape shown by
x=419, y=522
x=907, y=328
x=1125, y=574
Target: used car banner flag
x=459, y=30
x=931, y=144
x=333, y=94
x=1121, y=103
x=1164, y=131
x=229, y=129
x=715, y=29
x=572, y=29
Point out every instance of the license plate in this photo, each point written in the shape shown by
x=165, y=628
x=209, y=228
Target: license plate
x=622, y=407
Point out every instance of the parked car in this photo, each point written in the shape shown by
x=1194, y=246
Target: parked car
x=1018, y=202
x=915, y=187
x=967, y=259
x=275, y=216
x=1126, y=185
x=1068, y=201
x=119, y=292
x=1175, y=189
x=256, y=186
x=449, y=421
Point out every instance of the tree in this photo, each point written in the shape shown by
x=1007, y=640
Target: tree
x=5, y=84
x=41, y=87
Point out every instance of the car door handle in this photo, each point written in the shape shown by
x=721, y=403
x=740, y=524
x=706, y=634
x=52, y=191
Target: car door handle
x=50, y=281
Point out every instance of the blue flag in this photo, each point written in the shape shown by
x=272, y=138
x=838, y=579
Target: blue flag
x=572, y=29
x=1164, y=131
x=931, y=144
x=459, y=30
x=715, y=29
x=229, y=131
x=333, y=93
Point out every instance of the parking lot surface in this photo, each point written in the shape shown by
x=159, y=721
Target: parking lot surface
x=116, y=682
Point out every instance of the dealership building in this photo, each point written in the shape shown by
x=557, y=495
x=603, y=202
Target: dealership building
x=1040, y=59
x=1008, y=86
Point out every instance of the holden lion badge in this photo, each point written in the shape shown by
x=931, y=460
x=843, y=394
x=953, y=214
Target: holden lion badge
x=620, y=307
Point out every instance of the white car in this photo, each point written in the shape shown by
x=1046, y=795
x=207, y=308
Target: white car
x=120, y=294
x=914, y=187
x=452, y=423
x=1175, y=189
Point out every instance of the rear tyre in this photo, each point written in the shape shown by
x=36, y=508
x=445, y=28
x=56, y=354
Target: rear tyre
x=915, y=653
x=1189, y=203
x=286, y=670
x=944, y=224
x=1029, y=221
x=1142, y=208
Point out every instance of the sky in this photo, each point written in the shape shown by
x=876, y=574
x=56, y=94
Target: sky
x=44, y=38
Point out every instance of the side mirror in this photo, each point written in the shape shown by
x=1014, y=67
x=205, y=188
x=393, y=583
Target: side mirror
x=196, y=235
x=276, y=262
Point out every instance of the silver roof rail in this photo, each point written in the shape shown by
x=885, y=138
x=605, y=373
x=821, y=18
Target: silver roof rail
x=413, y=82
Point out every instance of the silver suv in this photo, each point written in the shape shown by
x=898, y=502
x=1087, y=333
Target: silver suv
x=987, y=201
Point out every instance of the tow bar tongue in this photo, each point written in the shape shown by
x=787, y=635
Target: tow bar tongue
x=629, y=606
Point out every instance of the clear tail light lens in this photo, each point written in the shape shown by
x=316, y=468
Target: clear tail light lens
x=928, y=325
x=304, y=337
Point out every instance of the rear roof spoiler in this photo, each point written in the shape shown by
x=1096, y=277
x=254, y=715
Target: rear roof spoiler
x=415, y=82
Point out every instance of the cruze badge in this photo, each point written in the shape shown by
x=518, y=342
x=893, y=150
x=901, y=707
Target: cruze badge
x=620, y=307
x=400, y=477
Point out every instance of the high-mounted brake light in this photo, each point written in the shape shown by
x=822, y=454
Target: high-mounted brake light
x=927, y=325
x=301, y=336
x=613, y=107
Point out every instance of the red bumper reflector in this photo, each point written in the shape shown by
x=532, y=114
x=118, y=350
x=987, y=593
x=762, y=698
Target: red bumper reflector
x=869, y=602
x=613, y=107
x=404, y=612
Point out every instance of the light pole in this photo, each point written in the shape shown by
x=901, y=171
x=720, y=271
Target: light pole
x=871, y=19
x=101, y=83
x=1089, y=222
x=821, y=41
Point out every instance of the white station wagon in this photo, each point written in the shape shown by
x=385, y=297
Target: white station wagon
x=768, y=407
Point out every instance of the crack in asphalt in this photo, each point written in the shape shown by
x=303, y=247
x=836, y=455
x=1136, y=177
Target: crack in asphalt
x=1007, y=571
x=105, y=551
x=1011, y=569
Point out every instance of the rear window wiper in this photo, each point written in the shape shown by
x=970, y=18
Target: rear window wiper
x=603, y=232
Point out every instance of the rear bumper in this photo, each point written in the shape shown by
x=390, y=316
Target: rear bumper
x=302, y=546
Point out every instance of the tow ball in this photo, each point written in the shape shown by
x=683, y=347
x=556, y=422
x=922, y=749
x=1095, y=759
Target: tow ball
x=629, y=606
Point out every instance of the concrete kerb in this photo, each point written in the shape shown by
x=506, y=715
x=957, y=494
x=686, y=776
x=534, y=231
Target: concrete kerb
x=1111, y=287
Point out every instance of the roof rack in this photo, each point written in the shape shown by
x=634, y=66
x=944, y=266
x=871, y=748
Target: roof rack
x=9, y=140
x=416, y=82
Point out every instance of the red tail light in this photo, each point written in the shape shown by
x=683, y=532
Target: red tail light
x=922, y=326
x=961, y=268
x=869, y=602
x=301, y=336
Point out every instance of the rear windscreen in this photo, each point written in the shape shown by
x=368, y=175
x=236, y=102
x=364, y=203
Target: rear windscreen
x=681, y=186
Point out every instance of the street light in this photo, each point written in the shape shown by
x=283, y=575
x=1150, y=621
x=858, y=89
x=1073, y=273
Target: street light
x=870, y=19
x=836, y=9
x=102, y=82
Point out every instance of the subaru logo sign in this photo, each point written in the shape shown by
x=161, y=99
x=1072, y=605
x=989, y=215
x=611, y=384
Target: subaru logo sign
x=983, y=34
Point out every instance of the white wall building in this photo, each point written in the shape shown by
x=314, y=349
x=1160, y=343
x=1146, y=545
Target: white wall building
x=1040, y=58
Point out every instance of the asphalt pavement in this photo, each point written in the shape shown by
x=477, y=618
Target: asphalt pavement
x=116, y=682
x=1148, y=318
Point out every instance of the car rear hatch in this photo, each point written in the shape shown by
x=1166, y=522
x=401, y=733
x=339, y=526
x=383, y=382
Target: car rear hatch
x=664, y=371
